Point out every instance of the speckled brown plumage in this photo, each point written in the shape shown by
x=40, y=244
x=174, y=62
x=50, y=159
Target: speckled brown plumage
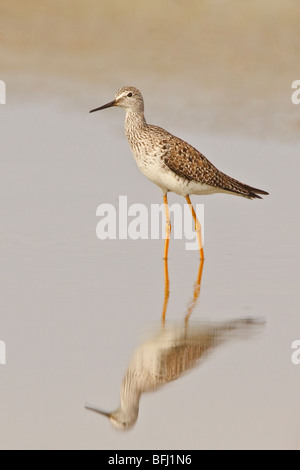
x=187, y=162
x=168, y=161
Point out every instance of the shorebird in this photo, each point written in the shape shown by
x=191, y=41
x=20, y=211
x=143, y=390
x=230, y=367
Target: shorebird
x=171, y=163
x=167, y=357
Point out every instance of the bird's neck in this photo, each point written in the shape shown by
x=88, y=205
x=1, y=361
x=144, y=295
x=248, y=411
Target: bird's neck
x=134, y=120
x=130, y=390
x=130, y=395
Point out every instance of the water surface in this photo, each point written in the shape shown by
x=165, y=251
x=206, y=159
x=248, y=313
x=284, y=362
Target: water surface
x=75, y=309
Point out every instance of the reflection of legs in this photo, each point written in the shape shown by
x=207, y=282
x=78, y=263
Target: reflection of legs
x=167, y=291
x=168, y=226
x=197, y=227
x=196, y=292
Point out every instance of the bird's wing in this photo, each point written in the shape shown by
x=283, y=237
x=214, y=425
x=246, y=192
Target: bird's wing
x=187, y=162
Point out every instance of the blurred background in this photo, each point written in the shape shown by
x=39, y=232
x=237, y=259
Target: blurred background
x=206, y=56
x=74, y=309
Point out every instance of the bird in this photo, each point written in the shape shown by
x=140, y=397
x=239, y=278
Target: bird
x=171, y=163
x=166, y=357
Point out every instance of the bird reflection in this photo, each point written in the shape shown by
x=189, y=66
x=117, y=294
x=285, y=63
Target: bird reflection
x=169, y=353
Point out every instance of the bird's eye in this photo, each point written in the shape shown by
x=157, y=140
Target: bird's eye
x=129, y=95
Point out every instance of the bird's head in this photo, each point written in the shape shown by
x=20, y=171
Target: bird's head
x=120, y=419
x=128, y=97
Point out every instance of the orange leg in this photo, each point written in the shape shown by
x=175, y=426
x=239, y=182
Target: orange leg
x=167, y=291
x=197, y=227
x=168, y=226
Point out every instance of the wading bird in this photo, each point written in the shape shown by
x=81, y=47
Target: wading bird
x=171, y=163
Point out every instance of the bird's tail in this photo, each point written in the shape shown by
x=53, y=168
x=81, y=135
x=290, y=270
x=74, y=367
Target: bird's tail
x=234, y=186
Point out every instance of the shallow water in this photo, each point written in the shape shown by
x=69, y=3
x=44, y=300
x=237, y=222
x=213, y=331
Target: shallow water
x=75, y=309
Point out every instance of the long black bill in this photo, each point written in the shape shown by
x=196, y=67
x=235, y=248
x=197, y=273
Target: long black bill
x=96, y=410
x=108, y=105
